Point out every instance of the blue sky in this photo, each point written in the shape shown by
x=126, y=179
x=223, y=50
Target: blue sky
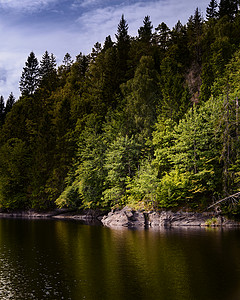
x=73, y=26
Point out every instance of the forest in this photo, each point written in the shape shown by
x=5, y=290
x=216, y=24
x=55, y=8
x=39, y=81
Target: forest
x=151, y=121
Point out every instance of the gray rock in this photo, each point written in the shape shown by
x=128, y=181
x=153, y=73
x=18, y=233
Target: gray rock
x=125, y=217
x=130, y=218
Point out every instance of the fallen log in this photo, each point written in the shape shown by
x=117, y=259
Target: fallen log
x=233, y=198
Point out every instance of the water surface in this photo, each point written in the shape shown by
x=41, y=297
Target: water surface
x=48, y=259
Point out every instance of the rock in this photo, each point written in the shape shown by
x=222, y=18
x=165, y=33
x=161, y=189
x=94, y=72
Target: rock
x=125, y=217
x=115, y=219
x=160, y=219
x=138, y=219
x=131, y=218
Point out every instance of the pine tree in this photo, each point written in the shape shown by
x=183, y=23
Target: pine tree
x=162, y=35
x=178, y=44
x=175, y=95
x=2, y=110
x=145, y=31
x=14, y=158
x=67, y=61
x=142, y=96
x=97, y=48
x=65, y=68
x=123, y=46
x=197, y=24
x=211, y=12
x=122, y=33
x=30, y=76
x=108, y=43
x=47, y=65
x=228, y=8
x=48, y=72
x=9, y=103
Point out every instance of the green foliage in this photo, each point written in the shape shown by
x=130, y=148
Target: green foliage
x=123, y=46
x=121, y=162
x=150, y=121
x=2, y=110
x=190, y=149
x=30, y=76
x=48, y=79
x=175, y=96
x=173, y=189
x=142, y=188
x=211, y=12
x=211, y=222
x=145, y=31
x=9, y=104
x=14, y=167
x=142, y=97
x=85, y=182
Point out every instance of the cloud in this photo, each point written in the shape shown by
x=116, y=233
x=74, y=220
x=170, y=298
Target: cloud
x=103, y=21
x=10, y=73
x=25, y=5
x=85, y=3
x=3, y=76
x=17, y=43
x=77, y=30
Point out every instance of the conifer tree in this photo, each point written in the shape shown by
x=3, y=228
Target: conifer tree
x=65, y=68
x=228, y=8
x=162, y=35
x=211, y=12
x=145, y=31
x=175, y=96
x=2, y=110
x=67, y=61
x=97, y=48
x=142, y=96
x=197, y=23
x=9, y=103
x=123, y=46
x=108, y=43
x=47, y=71
x=122, y=33
x=47, y=65
x=30, y=76
x=82, y=62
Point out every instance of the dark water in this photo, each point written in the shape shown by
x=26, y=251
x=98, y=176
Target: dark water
x=44, y=259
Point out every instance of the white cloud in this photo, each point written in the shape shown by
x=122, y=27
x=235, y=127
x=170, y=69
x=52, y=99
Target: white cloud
x=103, y=21
x=26, y=5
x=85, y=3
x=91, y=27
x=18, y=43
x=10, y=73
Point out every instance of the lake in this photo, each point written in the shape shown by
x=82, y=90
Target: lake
x=51, y=259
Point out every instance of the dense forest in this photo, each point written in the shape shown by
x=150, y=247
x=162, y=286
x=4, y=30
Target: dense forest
x=151, y=121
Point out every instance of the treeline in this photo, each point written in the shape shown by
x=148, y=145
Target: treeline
x=151, y=121
x=5, y=109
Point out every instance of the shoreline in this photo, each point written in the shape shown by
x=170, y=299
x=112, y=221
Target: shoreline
x=130, y=218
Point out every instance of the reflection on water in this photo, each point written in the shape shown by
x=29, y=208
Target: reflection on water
x=46, y=259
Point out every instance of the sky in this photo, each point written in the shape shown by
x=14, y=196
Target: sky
x=73, y=26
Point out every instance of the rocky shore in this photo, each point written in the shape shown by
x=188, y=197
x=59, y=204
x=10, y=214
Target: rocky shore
x=130, y=218
x=89, y=216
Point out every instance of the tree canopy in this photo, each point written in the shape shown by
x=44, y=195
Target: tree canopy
x=150, y=121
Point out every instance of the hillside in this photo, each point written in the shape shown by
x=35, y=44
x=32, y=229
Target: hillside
x=150, y=121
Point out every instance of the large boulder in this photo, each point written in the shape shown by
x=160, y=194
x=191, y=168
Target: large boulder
x=125, y=217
